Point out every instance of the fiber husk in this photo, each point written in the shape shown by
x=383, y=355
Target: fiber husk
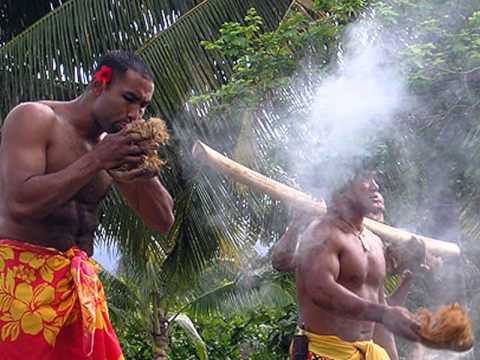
x=153, y=133
x=447, y=329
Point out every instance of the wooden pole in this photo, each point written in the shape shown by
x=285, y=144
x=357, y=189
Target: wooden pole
x=256, y=181
x=300, y=200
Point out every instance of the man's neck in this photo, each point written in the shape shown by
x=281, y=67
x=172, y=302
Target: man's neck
x=347, y=212
x=377, y=216
x=82, y=119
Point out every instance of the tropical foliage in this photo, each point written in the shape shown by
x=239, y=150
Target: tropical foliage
x=263, y=333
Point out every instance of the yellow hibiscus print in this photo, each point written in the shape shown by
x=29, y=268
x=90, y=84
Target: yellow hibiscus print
x=42, y=291
x=47, y=265
x=6, y=253
x=7, y=290
x=30, y=313
x=24, y=273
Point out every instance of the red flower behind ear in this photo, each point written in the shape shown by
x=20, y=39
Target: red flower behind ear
x=104, y=75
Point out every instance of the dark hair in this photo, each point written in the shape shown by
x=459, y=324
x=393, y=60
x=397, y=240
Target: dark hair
x=120, y=61
x=335, y=173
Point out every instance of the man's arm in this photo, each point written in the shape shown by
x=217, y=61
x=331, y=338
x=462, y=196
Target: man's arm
x=283, y=253
x=319, y=267
x=382, y=336
x=150, y=201
x=29, y=191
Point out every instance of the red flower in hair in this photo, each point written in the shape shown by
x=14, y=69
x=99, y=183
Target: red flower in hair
x=104, y=75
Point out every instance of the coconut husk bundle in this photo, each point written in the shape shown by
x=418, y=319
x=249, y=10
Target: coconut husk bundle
x=447, y=329
x=153, y=134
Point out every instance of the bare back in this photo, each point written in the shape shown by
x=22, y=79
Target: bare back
x=330, y=254
x=58, y=144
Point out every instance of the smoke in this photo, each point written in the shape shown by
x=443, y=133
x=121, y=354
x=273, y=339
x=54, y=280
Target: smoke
x=355, y=110
x=359, y=106
x=351, y=111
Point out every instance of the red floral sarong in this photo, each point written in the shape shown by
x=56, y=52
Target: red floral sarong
x=52, y=306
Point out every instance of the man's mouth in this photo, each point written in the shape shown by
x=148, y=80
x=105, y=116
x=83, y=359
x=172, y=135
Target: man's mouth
x=376, y=199
x=119, y=125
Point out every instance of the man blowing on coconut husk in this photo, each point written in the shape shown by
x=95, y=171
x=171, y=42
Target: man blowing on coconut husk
x=340, y=270
x=55, y=169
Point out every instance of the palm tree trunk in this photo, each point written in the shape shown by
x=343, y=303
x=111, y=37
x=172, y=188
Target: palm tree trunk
x=160, y=333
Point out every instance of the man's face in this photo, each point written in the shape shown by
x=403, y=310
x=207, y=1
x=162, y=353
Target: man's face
x=365, y=194
x=124, y=101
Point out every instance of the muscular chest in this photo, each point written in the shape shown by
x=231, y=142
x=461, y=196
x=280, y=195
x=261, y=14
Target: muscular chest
x=65, y=149
x=363, y=266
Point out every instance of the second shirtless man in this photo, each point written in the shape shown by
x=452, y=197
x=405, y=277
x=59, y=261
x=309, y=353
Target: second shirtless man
x=340, y=272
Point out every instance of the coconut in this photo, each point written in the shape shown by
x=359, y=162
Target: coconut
x=448, y=329
x=153, y=134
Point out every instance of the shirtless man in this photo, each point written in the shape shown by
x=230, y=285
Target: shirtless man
x=340, y=270
x=55, y=169
x=340, y=273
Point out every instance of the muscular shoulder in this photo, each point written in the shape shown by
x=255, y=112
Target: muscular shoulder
x=327, y=230
x=31, y=118
x=321, y=235
x=37, y=115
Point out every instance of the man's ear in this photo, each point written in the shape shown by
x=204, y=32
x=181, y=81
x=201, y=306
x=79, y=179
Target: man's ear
x=97, y=87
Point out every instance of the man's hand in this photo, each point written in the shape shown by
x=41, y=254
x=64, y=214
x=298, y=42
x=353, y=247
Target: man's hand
x=410, y=255
x=432, y=262
x=401, y=322
x=296, y=221
x=118, y=149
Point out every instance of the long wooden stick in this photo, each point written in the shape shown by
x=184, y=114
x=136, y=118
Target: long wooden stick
x=300, y=200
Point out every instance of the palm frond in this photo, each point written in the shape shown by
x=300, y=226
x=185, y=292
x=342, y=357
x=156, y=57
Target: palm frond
x=123, y=298
x=121, y=228
x=182, y=66
x=61, y=48
x=392, y=283
x=227, y=287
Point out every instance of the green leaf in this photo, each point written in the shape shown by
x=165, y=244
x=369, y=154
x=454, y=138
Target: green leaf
x=187, y=325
